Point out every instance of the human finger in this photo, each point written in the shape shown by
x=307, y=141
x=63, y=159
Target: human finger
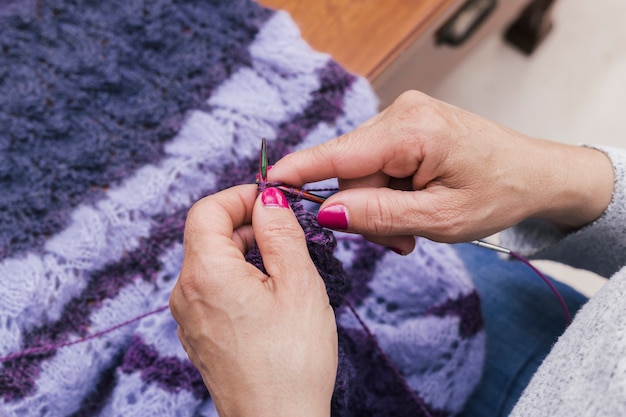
x=213, y=220
x=216, y=237
x=357, y=154
x=280, y=238
x=402, y=245
x=392, y=142
x=384, y=212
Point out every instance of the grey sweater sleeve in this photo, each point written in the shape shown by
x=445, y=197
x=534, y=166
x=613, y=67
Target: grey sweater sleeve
x=599, y=247
x=585, y=373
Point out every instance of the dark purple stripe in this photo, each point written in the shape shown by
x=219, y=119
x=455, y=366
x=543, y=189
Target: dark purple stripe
x=170, y=373
x=321, y=244
x=103, y=87
x=325, y=107
x=96, y=400
x=369, y=386
x=18, y=376
x=467, y=308
x=363, y=267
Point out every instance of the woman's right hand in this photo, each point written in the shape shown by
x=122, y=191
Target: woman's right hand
x=423, y=167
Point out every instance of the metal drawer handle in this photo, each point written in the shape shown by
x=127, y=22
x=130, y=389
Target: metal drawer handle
x=460, y=27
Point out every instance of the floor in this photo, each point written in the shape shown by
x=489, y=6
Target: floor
x=572, y=89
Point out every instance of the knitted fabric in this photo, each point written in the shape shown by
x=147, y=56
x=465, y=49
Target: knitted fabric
x=116, y=116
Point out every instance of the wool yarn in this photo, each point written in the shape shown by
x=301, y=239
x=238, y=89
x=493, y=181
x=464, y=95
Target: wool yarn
x=321, y=244
x=116, y=116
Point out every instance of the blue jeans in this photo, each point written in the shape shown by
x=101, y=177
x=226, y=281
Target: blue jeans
x=523, y=319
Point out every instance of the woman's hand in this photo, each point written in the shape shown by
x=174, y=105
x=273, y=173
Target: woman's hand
x=264, y=344
x=424, y=167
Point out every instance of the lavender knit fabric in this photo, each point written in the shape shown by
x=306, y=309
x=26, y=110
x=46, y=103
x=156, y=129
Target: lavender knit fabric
x=115, y=117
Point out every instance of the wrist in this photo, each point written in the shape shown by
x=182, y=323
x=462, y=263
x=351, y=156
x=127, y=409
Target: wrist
x=277, y=411
x=250, y=404
x=579, y=185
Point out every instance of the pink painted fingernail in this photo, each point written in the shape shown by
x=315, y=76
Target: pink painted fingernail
x=398, y=251
x=273, y=197
x=333, y=217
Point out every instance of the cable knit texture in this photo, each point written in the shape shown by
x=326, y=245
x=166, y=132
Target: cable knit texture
x=116, y=116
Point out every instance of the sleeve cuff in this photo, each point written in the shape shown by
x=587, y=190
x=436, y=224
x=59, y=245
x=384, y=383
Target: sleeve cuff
x=599, y=247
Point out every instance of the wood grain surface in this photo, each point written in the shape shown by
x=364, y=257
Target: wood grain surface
x=362, y=35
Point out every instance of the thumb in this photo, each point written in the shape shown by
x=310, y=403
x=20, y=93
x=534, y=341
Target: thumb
x=280, y=239
x=381, y=212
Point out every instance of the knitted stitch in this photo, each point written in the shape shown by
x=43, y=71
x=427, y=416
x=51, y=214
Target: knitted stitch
x=116, y=116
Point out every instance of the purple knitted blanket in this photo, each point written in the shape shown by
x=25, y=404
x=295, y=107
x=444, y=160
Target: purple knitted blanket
x=115, y=117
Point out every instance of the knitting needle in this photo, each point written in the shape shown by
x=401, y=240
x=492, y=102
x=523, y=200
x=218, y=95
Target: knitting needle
x=491, y=246
x=306, y=195
x=262, y=179
x=497, y=248
x=263, y=163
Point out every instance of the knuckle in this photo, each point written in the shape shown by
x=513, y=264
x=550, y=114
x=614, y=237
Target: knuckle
x=282, y=231
x=189, y=287
x=201, y=278
x=281, y=238
x=380, y=218
x=419, y=112
x=198, y=213
x=410, y=98
x=319, y=154
x=334, y=153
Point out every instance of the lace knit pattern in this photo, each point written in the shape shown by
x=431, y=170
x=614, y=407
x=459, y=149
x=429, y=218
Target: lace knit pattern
x=116, y=116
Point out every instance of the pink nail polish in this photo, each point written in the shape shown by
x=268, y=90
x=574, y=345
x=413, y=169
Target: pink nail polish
x=333, y=217
x=273, y=197
x=398, y=251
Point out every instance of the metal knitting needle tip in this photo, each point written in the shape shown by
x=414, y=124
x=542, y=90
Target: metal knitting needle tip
x=491, y=246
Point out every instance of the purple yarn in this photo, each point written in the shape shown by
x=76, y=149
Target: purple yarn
x=19, y=375
x=101, y=90
x=367, y=384
x=463, y=307
x=363, y=268
x=321, y=244
x=170, y=373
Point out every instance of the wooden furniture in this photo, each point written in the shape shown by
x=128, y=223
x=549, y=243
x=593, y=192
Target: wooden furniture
x=410, y=44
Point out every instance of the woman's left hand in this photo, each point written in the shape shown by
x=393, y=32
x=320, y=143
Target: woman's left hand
x=264, y=344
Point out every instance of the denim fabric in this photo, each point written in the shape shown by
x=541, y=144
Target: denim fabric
x=523, y=319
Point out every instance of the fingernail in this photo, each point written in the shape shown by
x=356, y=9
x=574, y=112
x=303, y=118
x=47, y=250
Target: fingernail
x=333, y=217
x=272, y=197
x=398, y=251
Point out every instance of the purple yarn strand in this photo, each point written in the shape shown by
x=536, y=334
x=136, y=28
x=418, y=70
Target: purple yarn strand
x=52, y=347
x=418, y=402
x=568, y=317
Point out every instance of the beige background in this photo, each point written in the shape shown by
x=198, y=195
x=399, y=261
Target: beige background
x=572, y=89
